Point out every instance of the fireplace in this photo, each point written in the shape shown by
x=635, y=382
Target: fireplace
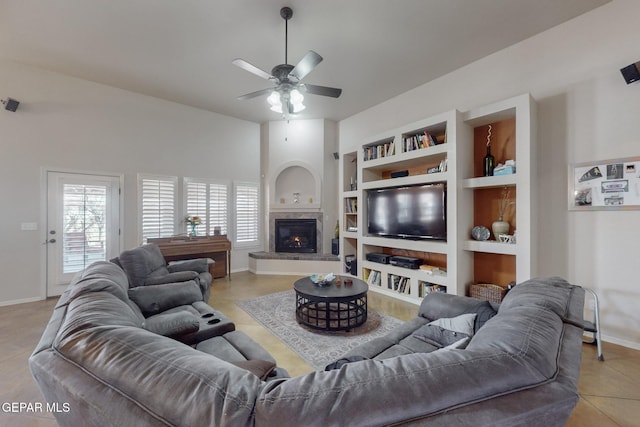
x=295, y=235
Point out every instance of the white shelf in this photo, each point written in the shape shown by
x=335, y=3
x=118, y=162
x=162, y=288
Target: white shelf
x=490, y=181
x=350, y=234
x=490, y=246
x=406, y=180
x=408, y=158
x=438, y=247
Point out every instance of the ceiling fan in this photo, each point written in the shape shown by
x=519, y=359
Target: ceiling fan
x=287, y=96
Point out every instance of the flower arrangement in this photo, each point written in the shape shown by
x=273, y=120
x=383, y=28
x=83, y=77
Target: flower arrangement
x=193, y=221
x=504, y=203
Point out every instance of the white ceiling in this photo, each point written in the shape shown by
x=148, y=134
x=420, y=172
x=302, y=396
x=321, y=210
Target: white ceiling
x=181, y=50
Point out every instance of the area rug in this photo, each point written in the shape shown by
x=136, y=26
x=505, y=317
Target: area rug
x=276, y=312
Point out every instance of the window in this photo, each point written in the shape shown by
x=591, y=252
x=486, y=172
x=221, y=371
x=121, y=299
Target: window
x=157, y=206
x=207, y=200
x=247, y=208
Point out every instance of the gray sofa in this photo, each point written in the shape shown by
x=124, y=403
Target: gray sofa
x=519, y=368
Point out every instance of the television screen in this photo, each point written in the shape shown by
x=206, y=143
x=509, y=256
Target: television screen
x=417, y=212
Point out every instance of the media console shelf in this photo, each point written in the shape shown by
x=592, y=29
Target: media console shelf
x=446, y=148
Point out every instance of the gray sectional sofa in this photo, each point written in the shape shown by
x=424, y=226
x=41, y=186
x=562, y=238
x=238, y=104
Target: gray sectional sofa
x=457, y=363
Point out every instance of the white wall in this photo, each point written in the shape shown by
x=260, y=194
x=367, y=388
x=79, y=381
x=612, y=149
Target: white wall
x=586, y=112
x=71, y=124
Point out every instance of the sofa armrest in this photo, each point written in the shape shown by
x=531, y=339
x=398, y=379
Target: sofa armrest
x=155, y=299
x=172, y=324
x=200, y=265
x=178, y=276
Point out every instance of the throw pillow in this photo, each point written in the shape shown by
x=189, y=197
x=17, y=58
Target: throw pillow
x=447, y=331
x=154, y=299
x=172, y=324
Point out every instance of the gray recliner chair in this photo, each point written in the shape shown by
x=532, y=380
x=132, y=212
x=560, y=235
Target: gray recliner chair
x=146, y=266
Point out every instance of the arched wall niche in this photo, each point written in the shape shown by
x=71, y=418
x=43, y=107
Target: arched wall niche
x=295, y=185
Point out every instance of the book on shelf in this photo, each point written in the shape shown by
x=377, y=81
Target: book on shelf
x=399, y=284
x=419, y=141
x=351, y=205
x=376, y=151
x=374, y=278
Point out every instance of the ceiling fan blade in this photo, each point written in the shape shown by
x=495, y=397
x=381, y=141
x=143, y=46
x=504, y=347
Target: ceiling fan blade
x=255, y=94
x=308, y=62
x=251, y=68
x=322, y=90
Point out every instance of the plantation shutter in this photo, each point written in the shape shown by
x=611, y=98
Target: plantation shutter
x=158, y=206
x=218, y=207
x=197, y=205
x=247, y=213
x=207, y=200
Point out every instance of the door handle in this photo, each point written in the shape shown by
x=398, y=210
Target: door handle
x=51, y=241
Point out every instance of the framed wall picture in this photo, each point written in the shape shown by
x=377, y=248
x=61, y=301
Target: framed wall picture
x=605, y=185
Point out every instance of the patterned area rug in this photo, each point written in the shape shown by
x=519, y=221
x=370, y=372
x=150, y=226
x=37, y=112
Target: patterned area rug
x=276, y=312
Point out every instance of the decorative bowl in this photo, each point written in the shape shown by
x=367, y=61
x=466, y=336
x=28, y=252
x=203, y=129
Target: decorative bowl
x=323, y=279
x=480, y=233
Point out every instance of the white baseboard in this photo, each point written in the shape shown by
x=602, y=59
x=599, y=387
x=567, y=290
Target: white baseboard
x=20, y=301
x=623, y=343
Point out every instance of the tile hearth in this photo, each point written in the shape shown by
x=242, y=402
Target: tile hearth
x=293, y=263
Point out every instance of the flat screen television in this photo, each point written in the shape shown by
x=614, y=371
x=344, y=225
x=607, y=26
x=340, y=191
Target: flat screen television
x=410, y=212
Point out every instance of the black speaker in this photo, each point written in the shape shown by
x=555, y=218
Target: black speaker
x=335, y=246
x=399, y=174
x=351, y=265
x=11, y=104
x=631, y=73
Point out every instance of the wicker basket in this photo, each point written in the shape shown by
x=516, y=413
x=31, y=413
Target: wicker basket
x=489, y=292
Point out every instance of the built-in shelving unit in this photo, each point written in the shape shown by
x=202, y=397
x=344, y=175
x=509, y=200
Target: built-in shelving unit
x=512, y=134
x=446, y=148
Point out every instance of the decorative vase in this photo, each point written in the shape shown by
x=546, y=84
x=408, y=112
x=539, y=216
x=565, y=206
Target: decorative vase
x=499, y=227
x=193, y=230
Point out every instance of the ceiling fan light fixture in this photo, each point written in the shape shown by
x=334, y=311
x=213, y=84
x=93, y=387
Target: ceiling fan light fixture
x=296, y=99
x=274, y=101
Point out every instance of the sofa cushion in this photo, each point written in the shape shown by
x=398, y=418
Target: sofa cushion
x=447, y=331
x=178, y=276
x=234, y=346
x=438, y=305
x=200, y=265
x=142, y=262
x=99, y=276
x=154, y=299
x=172, y=324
